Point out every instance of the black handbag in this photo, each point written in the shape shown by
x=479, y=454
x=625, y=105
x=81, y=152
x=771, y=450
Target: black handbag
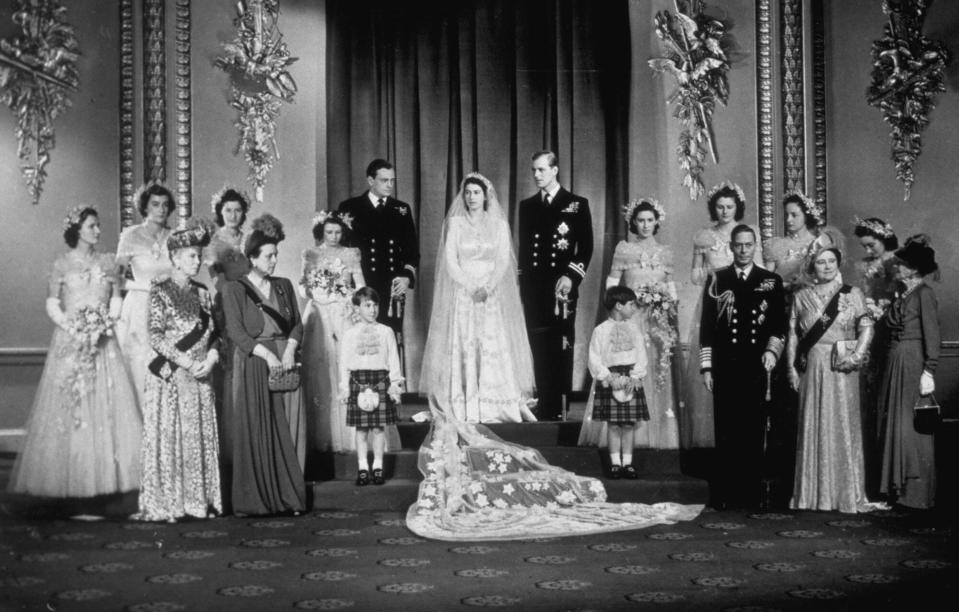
x=926, y=415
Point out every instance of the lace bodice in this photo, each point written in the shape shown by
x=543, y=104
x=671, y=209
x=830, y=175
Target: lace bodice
x=82, y=281
x=148, y=257
x=477, y=253
x=642, y=264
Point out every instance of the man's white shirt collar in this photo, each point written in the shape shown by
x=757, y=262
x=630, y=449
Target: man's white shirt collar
x=375, y=200
x=552, y=193
x=740, y=271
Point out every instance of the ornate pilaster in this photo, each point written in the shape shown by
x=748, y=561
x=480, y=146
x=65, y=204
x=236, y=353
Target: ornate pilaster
x=794, y=146
x=154, y=85
x=819, y=104
x=184, y=133
x=127, y=179
x=764, y=119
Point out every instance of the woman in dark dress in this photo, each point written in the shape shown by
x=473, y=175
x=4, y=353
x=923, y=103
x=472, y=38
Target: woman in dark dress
x=912, y=322
x=269, y=429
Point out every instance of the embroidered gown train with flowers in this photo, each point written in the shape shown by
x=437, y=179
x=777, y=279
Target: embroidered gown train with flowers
x=647, y=270
x=83, y=435
x=475, y=485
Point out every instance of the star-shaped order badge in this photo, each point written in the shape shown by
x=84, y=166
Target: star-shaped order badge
x=562, y=244
x=563, y=229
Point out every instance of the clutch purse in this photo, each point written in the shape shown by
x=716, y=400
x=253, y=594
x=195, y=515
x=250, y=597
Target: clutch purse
x=926, y=414
x=841, y=351
x=285, y=380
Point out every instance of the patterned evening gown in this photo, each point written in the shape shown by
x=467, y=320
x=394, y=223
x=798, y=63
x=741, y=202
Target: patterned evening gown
x=181, y=475
x=644, y=266
x=149, y=259
x=829, y=458
x=83, y=435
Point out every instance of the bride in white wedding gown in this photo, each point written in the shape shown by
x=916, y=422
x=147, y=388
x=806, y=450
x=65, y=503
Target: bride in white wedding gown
x=477, y=367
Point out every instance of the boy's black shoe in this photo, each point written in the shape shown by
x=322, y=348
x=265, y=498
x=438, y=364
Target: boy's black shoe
x=615, y=472
x=378, y=477
x=630, y=472
x=362, y=478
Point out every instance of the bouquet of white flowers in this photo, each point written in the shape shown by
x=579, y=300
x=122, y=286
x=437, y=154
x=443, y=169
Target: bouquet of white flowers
x=659, y=301
x=87, y=325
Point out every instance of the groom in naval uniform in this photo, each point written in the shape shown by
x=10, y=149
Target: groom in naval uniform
x=742, y=334
x=555, y=245
x=384, y=232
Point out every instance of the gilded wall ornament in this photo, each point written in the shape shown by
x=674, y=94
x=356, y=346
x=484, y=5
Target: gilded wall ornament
x=38, y=71
x=908, y=70
x=258, y=62
x=695, y=47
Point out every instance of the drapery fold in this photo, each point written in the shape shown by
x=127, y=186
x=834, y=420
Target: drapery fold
x=444, y=88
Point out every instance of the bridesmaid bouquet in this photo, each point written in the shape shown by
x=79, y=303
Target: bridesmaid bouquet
x=659, y=301
x=86, y=326
x=327, y=281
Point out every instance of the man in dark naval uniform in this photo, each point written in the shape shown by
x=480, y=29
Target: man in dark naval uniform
x=555, y=245
x=384, y=232
x=742, y=334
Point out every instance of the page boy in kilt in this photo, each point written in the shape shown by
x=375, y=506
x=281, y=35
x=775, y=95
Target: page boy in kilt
x=617, y=361
x=370, y=379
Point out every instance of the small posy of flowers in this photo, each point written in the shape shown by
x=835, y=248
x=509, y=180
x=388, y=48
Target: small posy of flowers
x=86, y=326
x=327, y=281
x=659, y=300
x=875, y=309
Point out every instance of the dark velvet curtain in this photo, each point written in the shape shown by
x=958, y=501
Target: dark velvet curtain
x=445, y=88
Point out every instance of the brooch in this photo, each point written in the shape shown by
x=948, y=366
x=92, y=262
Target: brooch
x=572, y=208
x=562, y=229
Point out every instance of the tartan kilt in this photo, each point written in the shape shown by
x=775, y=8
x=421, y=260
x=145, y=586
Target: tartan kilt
x=379, y=381
x=605, y=408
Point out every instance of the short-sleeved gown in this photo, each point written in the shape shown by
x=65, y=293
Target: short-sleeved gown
x=181, y=474
x=642, y=265
x=829, y=457
x=149, y=259
x=83, y=434
x=908, y=458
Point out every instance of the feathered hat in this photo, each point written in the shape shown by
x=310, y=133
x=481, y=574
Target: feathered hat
x=194, y=232
x=265, y=229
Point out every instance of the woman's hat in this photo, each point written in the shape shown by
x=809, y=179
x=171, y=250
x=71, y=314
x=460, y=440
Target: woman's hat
x=265, y=229
x=918, y=254
x=195, y=233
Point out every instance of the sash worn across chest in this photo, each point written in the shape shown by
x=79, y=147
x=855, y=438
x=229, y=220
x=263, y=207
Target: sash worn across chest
x=163, y=367
x=282, y=322
x=819, y=328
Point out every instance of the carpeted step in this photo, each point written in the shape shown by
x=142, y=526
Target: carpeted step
x=541, y=434
x=399, y=493
x=585, y=461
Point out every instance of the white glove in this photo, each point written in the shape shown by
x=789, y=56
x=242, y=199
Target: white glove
x=56, y=313
x=927, y=384
x=611, y=282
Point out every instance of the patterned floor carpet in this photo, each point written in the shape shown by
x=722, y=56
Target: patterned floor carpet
x=366, y=560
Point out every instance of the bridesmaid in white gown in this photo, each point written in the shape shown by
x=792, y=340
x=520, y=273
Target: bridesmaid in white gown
x=83, y=435
x=142, y=248
x=644, y=265
x=727, y=206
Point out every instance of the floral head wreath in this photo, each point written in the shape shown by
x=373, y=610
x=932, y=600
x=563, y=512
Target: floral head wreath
x=877, y=227
x=321, y=217
x=727, y=185
x=630, y=206
x=139, y=192
x=222, y=192
x=74, y=214
x=809, y=207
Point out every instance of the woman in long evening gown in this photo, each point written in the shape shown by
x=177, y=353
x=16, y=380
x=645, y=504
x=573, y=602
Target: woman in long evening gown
x=83, y=434
x=646, y=266
x=875, y=275
x=726, y=204
x=269, y=428
x=142, y=250
x=830, y=472
x=912, y=322
x=181, y=474
x=475, y=485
